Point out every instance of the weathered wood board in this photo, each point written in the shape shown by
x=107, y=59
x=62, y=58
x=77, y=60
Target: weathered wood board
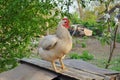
x=77, y=69
x=27, y=72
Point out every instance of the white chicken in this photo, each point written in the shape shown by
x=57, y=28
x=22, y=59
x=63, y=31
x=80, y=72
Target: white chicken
x=55, y=47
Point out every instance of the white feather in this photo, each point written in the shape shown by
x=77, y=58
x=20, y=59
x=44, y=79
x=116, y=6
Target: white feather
x=48, y=41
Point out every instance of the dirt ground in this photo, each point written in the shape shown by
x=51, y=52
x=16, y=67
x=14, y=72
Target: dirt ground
x=96, y=48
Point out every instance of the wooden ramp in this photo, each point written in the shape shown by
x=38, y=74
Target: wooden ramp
x=77, y=70
x=36, y=69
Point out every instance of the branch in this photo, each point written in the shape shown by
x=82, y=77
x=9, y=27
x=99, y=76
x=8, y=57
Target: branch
x=112, y=10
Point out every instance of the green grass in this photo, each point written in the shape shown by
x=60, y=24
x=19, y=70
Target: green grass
x=84, y=56
x=115, y=64
x=118, y=38
x=74, y=55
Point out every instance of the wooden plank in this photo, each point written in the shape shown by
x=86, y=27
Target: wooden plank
x=82, y=65
x=26, y=72
x=82, y=75
x=45, y=66
x=73, y=72
x=89, y=68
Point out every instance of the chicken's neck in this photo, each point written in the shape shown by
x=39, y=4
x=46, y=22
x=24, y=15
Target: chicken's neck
x=63, y=33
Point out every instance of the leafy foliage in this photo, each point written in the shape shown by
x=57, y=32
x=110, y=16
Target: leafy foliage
x=89, y=21
x=74, y=18
x=20, y=21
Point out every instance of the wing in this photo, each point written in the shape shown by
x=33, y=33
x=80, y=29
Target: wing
x=48, y=42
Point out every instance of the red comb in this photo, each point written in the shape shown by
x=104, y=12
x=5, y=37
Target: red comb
x=67, y=24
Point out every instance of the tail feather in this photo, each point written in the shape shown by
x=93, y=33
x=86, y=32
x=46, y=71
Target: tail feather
x=44, y=54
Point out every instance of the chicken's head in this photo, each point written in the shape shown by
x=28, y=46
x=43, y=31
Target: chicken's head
x=66, y=23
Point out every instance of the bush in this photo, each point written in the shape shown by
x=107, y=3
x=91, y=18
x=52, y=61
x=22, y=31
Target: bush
x=85, y=56
x=74, y=56
x=21, y=20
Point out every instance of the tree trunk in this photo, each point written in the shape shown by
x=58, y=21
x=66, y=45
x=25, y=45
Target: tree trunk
x=112, y=47
x=80, y=10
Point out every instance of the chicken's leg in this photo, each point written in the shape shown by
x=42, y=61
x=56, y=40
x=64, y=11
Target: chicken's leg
x=62, y=64
x=54, y=66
